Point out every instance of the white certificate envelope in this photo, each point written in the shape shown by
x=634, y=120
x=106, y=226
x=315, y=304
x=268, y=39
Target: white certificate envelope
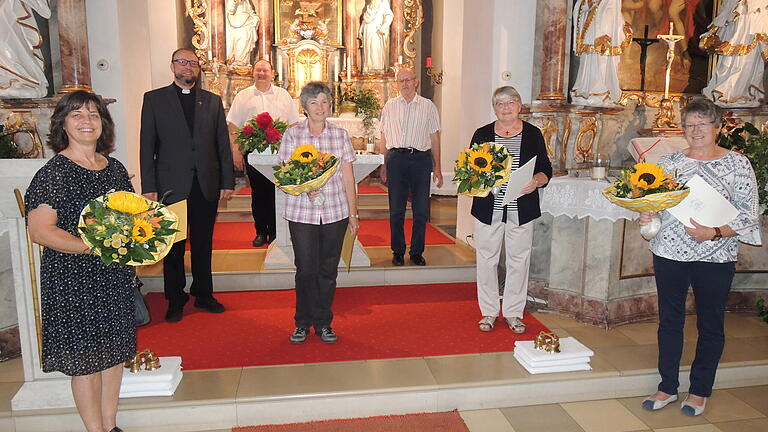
x=517, y=179
x=704, y=205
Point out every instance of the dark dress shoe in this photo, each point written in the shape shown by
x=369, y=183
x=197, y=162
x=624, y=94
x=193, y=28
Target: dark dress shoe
x=260, y=240
x=397, y=260
x=418, y=260
x=175, y=313
x=209, y=304
x=115, y=429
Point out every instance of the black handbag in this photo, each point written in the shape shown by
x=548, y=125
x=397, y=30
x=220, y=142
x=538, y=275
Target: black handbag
x=141, y=316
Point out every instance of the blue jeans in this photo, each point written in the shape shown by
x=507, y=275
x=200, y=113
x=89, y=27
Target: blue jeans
x=711, y=283
x=408, y=173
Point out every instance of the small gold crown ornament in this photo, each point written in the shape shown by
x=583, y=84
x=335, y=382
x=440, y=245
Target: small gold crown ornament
x=146, y=360
x=548, y=342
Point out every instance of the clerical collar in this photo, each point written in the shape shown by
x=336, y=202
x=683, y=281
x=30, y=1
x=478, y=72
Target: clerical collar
x=184, y=91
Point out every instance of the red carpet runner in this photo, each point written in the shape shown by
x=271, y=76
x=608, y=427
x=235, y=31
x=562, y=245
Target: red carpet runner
x=372, y=323
x=373, y=232
x=444, y=422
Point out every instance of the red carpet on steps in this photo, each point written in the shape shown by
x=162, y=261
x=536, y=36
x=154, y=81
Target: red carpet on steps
x=435, y=422
x=372, y=323
x=363, y=190
x=373, y=232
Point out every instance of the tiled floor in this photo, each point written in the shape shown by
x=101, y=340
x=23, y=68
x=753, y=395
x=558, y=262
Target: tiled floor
x=732, y=410
x=629, y=349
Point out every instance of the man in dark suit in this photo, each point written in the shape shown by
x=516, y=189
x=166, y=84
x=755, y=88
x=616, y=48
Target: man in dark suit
x=185, y=153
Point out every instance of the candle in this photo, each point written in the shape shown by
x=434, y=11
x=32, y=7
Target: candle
x=349, y=67
x=336, y=69
x=400, y=60
x=279, y=67
x=429, y=62
x=598, y=172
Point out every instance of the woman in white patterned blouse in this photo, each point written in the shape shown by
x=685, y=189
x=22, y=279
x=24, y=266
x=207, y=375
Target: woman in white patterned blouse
x=701, y=257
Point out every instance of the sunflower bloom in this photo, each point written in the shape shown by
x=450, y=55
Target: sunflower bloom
x=462, y=161
x=126, y=202
x=480, y=160
x=304, y=153
x=647, y=176
x=142, y=231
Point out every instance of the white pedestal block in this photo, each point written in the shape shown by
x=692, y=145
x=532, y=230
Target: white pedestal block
x=57, y=392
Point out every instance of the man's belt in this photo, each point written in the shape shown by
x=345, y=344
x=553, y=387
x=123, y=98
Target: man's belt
x=410, y=150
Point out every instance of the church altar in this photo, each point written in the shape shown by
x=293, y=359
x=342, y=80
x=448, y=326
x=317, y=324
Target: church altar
x=280, y=252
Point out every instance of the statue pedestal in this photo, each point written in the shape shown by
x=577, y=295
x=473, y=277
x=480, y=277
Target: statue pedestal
x=280, y=252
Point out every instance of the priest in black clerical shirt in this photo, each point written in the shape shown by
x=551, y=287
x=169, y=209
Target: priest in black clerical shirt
x=185, y=153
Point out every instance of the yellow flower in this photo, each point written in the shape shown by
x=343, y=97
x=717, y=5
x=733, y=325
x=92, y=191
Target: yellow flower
x=647, y=176
x=122, y=251
x=480, y=160
x=304, y=153
x=116, y=243
x=127, y=202
x=142, y=230
x=462, y=162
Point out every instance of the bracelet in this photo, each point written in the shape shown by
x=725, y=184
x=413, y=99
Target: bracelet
x=356, y=216
x=718, y=234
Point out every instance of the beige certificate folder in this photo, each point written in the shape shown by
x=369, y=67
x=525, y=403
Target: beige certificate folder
x=346, y=248
x=180, y=210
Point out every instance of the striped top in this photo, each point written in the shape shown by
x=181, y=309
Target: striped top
x=512, y=144
x=406, y=124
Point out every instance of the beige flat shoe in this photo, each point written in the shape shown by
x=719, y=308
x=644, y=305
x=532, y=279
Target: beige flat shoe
x=486, y=324
x=517, y=326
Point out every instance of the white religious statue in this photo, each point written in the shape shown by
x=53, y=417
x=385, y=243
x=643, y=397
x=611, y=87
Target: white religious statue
x=374, y=31
x=601, y=35
x=242, y=26
x=21, y=62
x=739, y=35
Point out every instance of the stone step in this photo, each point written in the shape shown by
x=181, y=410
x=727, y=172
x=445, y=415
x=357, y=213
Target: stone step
x=244, y=214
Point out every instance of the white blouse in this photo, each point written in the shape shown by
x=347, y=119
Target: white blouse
x=732, y=176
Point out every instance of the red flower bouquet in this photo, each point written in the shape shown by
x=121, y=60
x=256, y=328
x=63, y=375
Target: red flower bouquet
x=260, y=133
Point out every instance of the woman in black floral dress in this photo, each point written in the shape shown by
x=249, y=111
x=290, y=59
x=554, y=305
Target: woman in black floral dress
x=87, y=307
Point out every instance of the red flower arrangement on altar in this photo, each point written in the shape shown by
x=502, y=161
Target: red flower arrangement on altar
x=260, y=133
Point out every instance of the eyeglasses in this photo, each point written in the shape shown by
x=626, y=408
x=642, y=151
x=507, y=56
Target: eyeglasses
x=691, y=127
x=405, y=80
x=506, y=104
x=184, y=62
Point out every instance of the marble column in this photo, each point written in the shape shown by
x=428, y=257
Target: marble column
x=397, y=33
x=217, y=23
x=551, y=24
x=266, y=32
x=351, y=27
x=73, y=43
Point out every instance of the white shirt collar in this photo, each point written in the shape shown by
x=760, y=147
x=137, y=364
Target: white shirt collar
x=257, y=92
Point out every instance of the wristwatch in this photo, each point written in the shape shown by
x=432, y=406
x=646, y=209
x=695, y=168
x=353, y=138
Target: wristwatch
x=718, y=235
x=356, y=216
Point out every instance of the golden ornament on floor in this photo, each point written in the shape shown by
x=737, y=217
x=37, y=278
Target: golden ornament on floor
x=548, y=342
x=146, y=360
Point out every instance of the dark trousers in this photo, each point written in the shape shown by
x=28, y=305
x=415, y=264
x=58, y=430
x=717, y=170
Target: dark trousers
x=408, y=173
x=317, y=249
x=262, y=201
x=711, y=283
x=201, y=215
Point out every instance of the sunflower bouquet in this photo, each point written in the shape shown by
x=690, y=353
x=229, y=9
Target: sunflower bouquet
x=128, y=229
x=306, y=170
x=259, y=133
x=480, y=168
x=646, y=187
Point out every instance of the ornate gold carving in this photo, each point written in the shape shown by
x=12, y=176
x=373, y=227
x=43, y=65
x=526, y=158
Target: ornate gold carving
x=551, y=96
x=566, y=137
x=603, y=44
x=649, y=99
x=665, y=118
x=587, y=127
x=146, y=360
x=414, y=17
x=548, y=342
x=549, y=129
x=32, y=278
x=308, y=24
x=198, y=11
x=16, y=123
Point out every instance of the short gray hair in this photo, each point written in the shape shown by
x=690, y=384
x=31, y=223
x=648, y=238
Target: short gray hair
x=703, y=107
x=313, y=90
x=506, y=92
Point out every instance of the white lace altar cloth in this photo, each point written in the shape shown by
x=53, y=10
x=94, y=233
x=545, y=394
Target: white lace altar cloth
x=579, y=198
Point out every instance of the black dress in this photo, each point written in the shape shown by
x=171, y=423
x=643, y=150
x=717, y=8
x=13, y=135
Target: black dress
x=87, y=307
